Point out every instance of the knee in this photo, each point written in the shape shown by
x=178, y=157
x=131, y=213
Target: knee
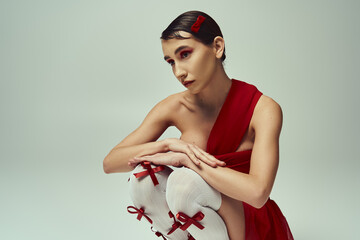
x=143, y=188
x=181, y=190
x=187, y=188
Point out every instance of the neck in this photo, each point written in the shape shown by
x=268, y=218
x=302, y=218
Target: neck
x=213, y=95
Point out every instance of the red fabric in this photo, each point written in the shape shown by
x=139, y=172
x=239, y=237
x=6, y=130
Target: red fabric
x=268, y=222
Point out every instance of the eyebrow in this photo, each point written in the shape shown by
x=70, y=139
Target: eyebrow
x=176, y=51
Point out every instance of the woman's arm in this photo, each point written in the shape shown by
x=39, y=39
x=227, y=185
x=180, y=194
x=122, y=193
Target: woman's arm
x=141, y=141
x=253, y=188
x=117, y=159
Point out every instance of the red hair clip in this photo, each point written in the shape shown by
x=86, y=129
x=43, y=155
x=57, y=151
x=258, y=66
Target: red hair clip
x=196, y=26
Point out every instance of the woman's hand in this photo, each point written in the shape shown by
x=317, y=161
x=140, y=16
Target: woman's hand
x=176, y=159
x=195, y=154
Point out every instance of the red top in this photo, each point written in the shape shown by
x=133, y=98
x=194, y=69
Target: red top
x=234, y=117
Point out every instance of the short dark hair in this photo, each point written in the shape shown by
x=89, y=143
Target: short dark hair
x=208, y=31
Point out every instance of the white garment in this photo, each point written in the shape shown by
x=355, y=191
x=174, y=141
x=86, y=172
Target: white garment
x=181, y=190
x=152, y=199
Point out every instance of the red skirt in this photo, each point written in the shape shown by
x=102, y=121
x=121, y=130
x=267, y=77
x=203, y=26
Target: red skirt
x=266, y=223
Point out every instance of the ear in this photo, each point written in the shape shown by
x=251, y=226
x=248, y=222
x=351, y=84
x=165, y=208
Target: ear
x=219, y=46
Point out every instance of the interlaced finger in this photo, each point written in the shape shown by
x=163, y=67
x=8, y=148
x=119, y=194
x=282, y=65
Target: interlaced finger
x=200, y=154
x=210, y=157
x=192, y=156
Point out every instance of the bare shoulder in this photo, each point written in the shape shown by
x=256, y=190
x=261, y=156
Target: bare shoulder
x=160, y=117
x=267, y=104
x=267, y=115
x=170, y=106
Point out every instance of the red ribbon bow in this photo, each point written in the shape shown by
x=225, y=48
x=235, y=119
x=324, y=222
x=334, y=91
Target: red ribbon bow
x=158, y=234
x=176, y=224
x=196, y=26
x=190, y=220
x=140, y=212
x=149, y=171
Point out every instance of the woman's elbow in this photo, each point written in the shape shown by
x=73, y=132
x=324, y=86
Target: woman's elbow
x=260, y=198
x=110, y=166
x=106, y=166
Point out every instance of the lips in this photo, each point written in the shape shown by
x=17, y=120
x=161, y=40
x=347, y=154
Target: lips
x=187, y=83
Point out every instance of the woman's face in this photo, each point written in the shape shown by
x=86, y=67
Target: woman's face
x=190, y=60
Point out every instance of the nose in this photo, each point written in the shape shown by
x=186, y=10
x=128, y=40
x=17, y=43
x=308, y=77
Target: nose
x=180, y=73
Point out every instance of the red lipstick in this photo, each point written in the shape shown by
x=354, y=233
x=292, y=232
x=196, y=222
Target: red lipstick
x=188, y=83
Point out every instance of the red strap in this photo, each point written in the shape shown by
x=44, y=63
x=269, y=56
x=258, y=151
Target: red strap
x=159, y=234
x=149, y=171
x=140, y=213
x=188, y=221
x=190, y=237
x=176, y=224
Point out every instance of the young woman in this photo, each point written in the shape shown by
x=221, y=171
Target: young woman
x=225, y=162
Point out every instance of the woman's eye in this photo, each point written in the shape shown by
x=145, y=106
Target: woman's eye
x=171, y=62
x=185, y=54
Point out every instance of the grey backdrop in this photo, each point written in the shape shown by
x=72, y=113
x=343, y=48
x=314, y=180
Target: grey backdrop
x=78, y=76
